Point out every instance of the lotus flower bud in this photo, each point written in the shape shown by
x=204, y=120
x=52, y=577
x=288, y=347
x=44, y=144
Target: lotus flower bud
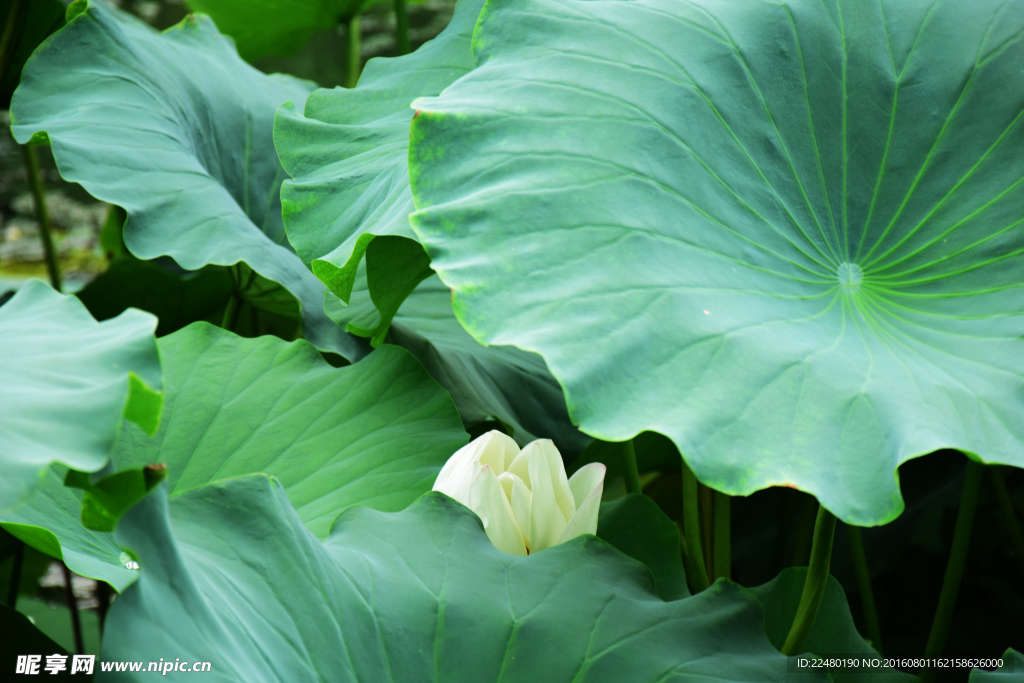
x=522, y=496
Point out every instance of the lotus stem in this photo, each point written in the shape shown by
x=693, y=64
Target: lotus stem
x=723, y=536
x=12, y=589
x=35, y=183
x=814, y=584
x=867, y=596
x=955, y=567
x=352, y=51
x=402, y=28
x=76, y=622
x=231, y=311
x=691, y=531
x=1013, y=529
x=707, y=519
x=688, y=566
x=632, y=474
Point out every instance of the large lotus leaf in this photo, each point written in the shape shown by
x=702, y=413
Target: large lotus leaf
x=347, y=153
x=178, y=130
x=51, y=523
x=67, y=383
x=636, y=525
x=176, y=300
x=275, y=27
x=486, y=382
x=420, y=595
x=375, y=433
x=834, y=632
x=789, y=236
x=1011, y=671
x=31, y=25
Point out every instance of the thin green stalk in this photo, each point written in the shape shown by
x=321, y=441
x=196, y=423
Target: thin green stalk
x=15, y=21
x=352, y=51
x=35, y=183
x=707, y=525
x=867, y=596
x=402, y=28
x=691, y=531
x=723, y=536
x=76, y=622
x=687, y=560
x=231, y=312
x=814, y=584
x=632, y=474
x=955, y=567
x=12, y=589
x=806, y=523
x=1013, y=529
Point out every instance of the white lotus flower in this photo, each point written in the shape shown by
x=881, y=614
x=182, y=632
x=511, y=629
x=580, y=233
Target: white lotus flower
x=522, y=496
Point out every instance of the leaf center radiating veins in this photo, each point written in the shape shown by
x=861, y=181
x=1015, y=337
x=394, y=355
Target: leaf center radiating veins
x=850, y=276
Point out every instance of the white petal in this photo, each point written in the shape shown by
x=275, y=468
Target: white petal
x=487, y=499
x=506, y=479
x=545, y=451
x=520, y=465
x=547, y=519
x=521, y=500
x=463, y=467
x=586, y=479
x=585, y=519
x=498, y=451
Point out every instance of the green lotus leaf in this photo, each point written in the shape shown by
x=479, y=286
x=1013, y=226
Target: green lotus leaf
x=1011, y=670
x=68, y=382
x=275, y=27
x=409, y=596
x=834, y=632
x=636, y=525
x=375, y=433
x=347, y=154
x=487, y=382
x=178, y=130
x=789, y=236
x=30, y=26
x=176, y=300
x=51, y=522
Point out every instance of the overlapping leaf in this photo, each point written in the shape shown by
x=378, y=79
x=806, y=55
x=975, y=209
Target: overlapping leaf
x=347, y=153
x=51, y=522
x=833, y=633
x=178, y=130
x=375, y=433
x=67, y=383
x=174, y=299
x=275, y=27
x=499, y=382
x=636, y=525
x=788, y=236
x=410, y=596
